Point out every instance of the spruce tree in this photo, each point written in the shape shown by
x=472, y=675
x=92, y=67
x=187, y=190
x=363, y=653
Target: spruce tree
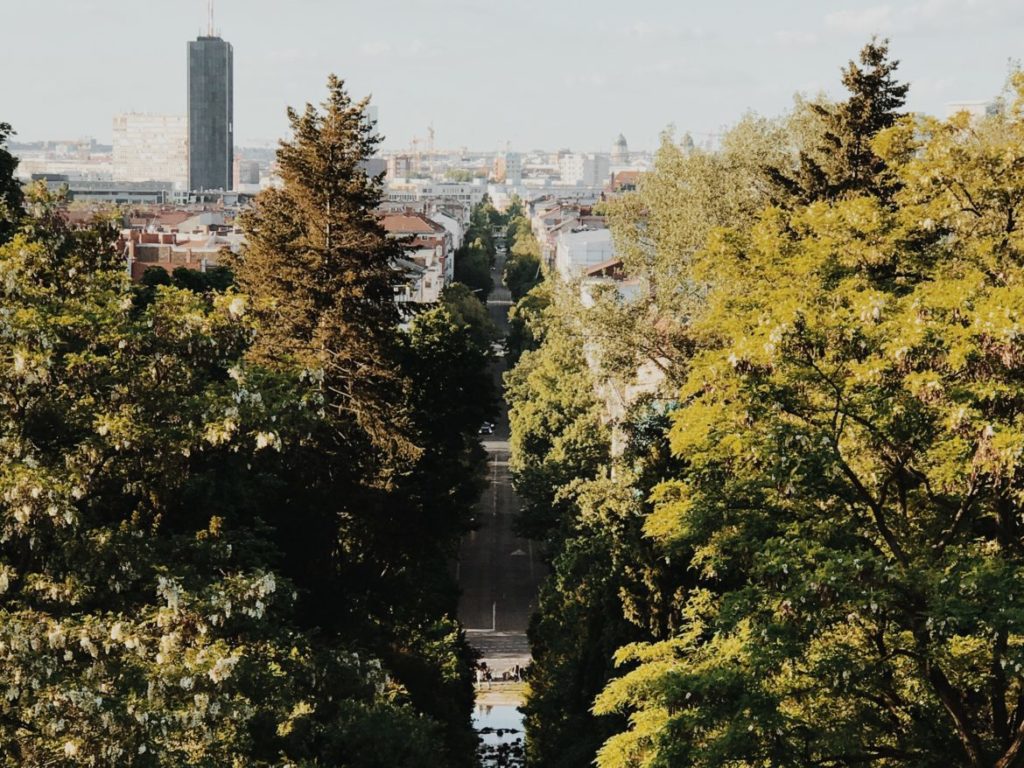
x=10, y=189
x=320, y=270
x=843, y=164
x=369, y=517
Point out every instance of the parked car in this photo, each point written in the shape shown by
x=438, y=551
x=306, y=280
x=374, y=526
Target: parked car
x=486, y=429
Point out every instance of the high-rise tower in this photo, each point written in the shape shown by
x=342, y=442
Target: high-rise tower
x=211, y=129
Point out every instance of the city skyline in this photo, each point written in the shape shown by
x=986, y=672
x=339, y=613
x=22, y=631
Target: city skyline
x=531, y=76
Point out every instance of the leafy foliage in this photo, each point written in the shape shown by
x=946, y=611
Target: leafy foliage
x=473, y=261
x=526, y=321
x=557, y=434
x=226, y=517
x=822, y=568
x=319, y=268
x=850, y=490
x=139, y=627
x=473, y=267
x=522, y=267
x=840, y=161
x=11, y=197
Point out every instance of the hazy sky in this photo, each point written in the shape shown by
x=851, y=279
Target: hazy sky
x=570, y=73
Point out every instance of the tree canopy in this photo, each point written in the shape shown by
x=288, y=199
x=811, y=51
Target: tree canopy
x=10, y=189
x=227, y=511
x=804, y=545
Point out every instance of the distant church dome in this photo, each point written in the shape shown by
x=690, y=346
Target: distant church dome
x=620, y=151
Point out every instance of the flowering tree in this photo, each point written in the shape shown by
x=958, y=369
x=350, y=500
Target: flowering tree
x=852, y=428
x=144, y=616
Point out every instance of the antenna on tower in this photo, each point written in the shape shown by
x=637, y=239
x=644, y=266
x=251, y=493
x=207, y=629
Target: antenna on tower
x=209, y=13
x=430, y=146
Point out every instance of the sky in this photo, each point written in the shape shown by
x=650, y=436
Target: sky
x=488, y=75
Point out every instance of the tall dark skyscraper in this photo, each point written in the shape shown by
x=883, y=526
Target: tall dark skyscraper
x=211, y=113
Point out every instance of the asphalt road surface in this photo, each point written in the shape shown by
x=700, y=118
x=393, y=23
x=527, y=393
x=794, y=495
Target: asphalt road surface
x=498, y=572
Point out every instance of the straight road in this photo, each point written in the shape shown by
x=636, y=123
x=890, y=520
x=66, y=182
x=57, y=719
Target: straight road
x=499, y=573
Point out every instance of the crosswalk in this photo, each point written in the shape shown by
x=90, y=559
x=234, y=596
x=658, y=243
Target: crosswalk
x=506, y=647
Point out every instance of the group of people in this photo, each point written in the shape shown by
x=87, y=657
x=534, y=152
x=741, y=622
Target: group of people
x=484, y=675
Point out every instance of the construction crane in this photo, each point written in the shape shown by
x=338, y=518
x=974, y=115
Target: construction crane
x=415, y=145
x=430, y=147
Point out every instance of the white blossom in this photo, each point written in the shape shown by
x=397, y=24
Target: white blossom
x=222, y=669
x=268, y=439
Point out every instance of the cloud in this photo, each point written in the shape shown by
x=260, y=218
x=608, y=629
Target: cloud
x=679, y=71
x=641, y=30
x=934, y=87
x=667, y=66
x=876, y=18
x=376, y=48
x=649, y=32
x=796, y=38
x=294, y=55
x=380, y=49
x=585, y=79
x=926, y=16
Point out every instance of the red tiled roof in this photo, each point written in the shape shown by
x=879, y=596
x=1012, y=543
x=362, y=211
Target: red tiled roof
x=409, y=223
x=612, y=265
x=425, y=242
x=172, y=218
x=625, y=179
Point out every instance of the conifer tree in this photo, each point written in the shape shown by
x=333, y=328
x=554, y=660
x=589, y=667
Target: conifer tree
x=376, y=500
x=10, y=189
x=842, y=163
x=320, y=270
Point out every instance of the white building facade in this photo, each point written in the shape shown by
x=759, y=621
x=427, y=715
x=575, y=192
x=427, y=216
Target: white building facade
x=450, y=194
x=587, y=170
x=577, y=251
x=151, y=148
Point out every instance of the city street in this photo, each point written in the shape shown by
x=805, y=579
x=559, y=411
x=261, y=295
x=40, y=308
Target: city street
x=499, y=573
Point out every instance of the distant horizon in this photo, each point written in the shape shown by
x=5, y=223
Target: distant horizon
x=528, y=77
x=17, y=140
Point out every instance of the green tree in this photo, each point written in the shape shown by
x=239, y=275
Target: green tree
x=473, y=267
x=526, y=322
x=839, y=161
x=11, y=197
x=610, y=586
x=215, y=278
x=851, y=431
x=557, y=434
x=483, y=220
x=382, y=484
x=459, y=174
x=522, y=272
x=144, y=620
x=659, y=228
x=514, y=211
x=319, y=268
x=522, y=267
x=470, y=313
